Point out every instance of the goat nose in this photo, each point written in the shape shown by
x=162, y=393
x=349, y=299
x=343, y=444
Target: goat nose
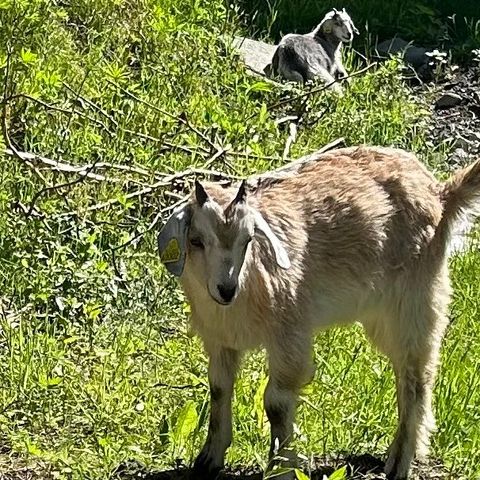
x=226, y=292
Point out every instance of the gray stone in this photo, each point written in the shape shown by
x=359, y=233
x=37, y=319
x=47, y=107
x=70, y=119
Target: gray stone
x=463, y=143
x=256, y=55
x=415, y=56
x=473, y=137
x=448, y=100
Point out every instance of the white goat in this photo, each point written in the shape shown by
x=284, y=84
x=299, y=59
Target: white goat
x=300, y=58
x=355, y=234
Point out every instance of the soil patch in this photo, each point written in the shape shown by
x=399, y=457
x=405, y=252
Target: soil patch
x=359, y=467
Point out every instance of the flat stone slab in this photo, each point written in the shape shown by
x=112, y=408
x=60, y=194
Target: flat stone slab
x=256, y=54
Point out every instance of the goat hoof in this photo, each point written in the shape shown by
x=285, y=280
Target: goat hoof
x=394, y=476
x=395, y=473
x=204, y=468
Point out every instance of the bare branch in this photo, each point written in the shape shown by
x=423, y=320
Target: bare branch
x=57, y=187
x=56, y=108
x=320, y=89
x=53, y=164
x=165, y=182
x=92, y=104
x=181, y=118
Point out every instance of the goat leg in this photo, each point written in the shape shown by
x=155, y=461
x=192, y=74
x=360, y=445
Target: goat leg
x=223, y=365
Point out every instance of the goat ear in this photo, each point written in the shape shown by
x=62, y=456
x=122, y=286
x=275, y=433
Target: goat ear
x=281, y=255
x=355, y=29
x=200, y=193
x=327, y=26
x=172, y=240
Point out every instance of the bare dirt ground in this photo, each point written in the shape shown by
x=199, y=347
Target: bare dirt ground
x=360, y=467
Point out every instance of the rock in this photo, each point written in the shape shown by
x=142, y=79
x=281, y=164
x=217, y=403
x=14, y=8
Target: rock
x=257, y=55
x=393, y=45
x=417, y=57
x=473, y=136
x=463, y=143
x=448, y=100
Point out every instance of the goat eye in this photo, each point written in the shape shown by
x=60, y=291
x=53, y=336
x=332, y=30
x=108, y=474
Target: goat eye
x=196, y=242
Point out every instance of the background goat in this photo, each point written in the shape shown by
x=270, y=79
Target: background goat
x=355, y=234
x=300, y=58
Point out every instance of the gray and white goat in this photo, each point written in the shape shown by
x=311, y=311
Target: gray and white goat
x=355, y=234
x=300, y=58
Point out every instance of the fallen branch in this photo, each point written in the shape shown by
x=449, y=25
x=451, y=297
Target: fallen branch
x=53, y=164
x=92, y=104
x=166, y=144
x=180, y=118
x=165, y=182
x=320, y=89
x=56, y=187
x=179, y=387
x=214, y=157
x=56, y=108
x=152, y=224
x=253, y=155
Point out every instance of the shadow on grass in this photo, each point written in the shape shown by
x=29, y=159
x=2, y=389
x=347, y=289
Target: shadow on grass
x=358, y=467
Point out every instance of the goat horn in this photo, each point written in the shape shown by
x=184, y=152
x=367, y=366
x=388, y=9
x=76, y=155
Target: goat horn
x=241, y=194
x=200, y=193
x=240, y=198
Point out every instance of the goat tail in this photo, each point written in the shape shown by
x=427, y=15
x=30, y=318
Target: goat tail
x=460, y=196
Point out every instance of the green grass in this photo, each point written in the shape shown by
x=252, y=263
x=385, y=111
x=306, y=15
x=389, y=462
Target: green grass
x=94, y=339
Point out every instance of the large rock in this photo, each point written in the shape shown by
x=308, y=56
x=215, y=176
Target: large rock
x=417, y=57
x=257, y=55
x=448, y=100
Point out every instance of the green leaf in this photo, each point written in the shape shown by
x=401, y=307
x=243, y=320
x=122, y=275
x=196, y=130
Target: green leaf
x=186, y=423
x=277, y=471
x=300, y=475
x=258, y=402
x=28, y=56
x=263, y=114
x=340, y=474
x=260, y=87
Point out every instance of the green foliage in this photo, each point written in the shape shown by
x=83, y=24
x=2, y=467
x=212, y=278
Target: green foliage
x=340, y=474
x=94, y=337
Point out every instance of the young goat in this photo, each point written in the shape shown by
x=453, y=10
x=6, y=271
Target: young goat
x=300, y=58
x=355, y=234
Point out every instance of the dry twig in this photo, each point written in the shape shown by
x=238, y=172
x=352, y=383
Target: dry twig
x=180, y=118
x=57, y=165
x=320, y=89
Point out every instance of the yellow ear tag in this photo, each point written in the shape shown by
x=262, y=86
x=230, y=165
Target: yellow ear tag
x=172, y=252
